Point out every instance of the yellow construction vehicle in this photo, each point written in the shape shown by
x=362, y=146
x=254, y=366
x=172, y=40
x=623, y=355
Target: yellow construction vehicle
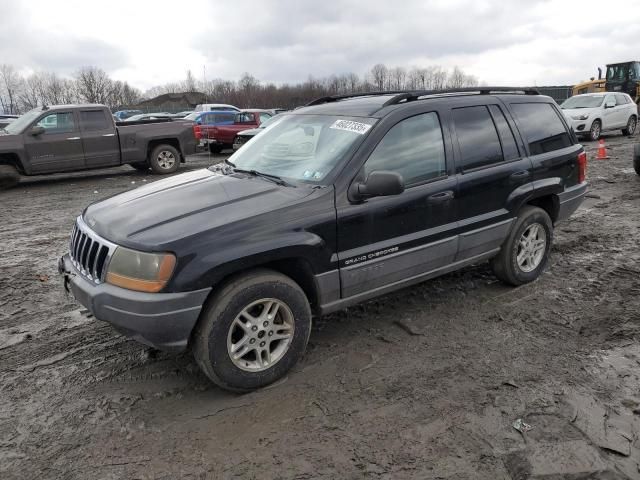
x=625, y=78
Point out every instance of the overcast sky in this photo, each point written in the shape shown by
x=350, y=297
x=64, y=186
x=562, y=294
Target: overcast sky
x=502, y=42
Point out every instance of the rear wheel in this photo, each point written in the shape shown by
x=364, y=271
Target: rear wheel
x=9, y=176
x=252, y=331
x=525, y=252
x=636, y=158
x=164, y=159
x=595, y=130
x=631, y=126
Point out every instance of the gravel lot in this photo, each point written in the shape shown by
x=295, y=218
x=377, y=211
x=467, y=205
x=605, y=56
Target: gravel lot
x=425, y=383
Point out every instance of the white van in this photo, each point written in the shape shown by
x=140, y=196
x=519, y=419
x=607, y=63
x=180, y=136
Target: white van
x=220, y=107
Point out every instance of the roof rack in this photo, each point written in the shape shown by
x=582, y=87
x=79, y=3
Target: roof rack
x=409, y=95
x=334, y=98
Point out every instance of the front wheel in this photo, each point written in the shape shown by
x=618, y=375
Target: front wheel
x=9, y=176
x=252, y=331
x=525, y=252
x=595, y=130
x=631, y=126
x=164, y=159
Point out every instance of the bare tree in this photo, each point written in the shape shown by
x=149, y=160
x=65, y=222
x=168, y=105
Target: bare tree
x=379, y=72
x=10, y=84
x=93, y=85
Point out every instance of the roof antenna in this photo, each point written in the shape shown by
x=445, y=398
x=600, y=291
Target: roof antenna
x=44, y=107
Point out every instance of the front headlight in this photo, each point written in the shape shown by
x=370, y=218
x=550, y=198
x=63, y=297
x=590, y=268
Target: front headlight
x=144, y=272
x=584, y=116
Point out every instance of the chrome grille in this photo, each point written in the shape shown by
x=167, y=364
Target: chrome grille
x=89, y=253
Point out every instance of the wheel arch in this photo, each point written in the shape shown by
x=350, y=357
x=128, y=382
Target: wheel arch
x=156, y=142
x=14, y=160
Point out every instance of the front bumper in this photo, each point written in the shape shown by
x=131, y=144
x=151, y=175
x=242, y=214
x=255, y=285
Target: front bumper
x=570, y=200
x=160, y=320
x=581, y=127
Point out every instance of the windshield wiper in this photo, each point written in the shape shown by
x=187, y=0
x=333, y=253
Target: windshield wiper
x=274, y=178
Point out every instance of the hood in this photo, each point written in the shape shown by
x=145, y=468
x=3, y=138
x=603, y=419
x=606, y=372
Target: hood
x=154, y=216
x=10, y=142
x=251, y=132
x=575, y=112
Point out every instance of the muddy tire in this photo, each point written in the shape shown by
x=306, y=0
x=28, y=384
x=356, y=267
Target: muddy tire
x=252, y=331
x=213, y=149
x=142, y=166
x=164, y=159
x=9, y=176
x=636, y=158
x=525, y=252
x=595, y=130
x=631, y=126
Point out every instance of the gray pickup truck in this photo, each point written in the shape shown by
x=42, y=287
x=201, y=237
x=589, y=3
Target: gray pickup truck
x=67, y=138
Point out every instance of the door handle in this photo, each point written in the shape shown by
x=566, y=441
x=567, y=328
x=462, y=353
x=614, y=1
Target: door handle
x=440, y=197
x=520, y=175
x=73, y=138
x=109, y=135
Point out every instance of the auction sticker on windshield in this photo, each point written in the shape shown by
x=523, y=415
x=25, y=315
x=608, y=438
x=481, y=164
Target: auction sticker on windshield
x=351, y=126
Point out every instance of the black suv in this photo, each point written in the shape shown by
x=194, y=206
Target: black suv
x=341, y=201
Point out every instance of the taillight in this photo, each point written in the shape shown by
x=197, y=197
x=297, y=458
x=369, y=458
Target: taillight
x=582, y=167
x=197, y=132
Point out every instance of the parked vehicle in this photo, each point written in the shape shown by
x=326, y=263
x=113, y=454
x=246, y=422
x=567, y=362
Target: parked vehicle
x=349, y=198
x=205, y=121
x=209, y=107
x=124, y=114
x=246, y=135
x=79, y=137
x=183, y=114
x=149, y=116
x=636, y=158
x=593, y=113
x=224, y=136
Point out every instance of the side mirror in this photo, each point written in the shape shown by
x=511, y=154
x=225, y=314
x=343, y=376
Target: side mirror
x=380, y=183
x=37, y=130
x=610, y=104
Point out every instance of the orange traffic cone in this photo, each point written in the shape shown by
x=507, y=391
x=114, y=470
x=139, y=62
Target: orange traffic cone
x=602, y=151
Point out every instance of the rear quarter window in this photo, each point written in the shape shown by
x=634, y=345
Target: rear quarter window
x=541, y=126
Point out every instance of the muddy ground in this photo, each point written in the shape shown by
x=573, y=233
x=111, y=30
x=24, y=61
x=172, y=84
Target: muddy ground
x=425, y=383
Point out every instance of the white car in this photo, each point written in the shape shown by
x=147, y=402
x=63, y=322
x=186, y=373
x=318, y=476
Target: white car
x=591, y=114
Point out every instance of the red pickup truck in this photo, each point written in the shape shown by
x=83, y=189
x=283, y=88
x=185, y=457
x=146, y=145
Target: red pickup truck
x=222, y=136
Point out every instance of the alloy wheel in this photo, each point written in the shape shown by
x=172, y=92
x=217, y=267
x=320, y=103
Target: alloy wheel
x=531, y=247
x=166, y=160
x=260, y=335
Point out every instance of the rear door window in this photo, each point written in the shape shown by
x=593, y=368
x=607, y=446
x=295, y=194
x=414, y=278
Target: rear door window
x=620, y=99
x=541, y=126
x=93, y=120
x=477, y=137
x=509, y=147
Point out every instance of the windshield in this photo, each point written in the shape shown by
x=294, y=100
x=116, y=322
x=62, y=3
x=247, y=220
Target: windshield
x=192, y=116
x=302, y=147
x=583, y=101
x=19, y=124
x=618, y=73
